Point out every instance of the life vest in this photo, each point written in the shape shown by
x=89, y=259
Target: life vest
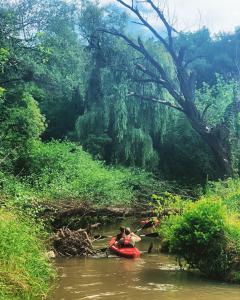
x=127, y=240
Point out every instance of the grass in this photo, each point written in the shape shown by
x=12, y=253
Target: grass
x=25, y=271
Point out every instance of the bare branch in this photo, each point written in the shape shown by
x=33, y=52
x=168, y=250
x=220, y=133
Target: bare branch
x=138, y=23
x=153, y=99
x=166, y=83
x=150, y=74
x=146, y=80
x=163, y=19
x=147, y=24
x=181, y=55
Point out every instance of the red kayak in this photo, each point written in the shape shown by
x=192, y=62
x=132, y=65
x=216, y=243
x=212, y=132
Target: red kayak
x=124, y=252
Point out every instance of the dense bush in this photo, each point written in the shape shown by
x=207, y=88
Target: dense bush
x=25, y=271
x=64, y=171
x=206, y=238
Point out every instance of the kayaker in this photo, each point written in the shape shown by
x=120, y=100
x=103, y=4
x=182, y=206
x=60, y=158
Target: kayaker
x=149, y=223
x=129, y=239
x=120, y=234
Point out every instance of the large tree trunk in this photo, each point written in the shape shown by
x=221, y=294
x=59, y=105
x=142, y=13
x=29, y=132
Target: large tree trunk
x=217, y=140
x=183, y=90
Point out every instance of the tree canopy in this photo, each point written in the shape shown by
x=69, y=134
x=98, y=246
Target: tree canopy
x=167, y=102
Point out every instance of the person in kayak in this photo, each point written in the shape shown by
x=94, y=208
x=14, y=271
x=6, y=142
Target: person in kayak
x=149, y=223
x=120, y=234
x=129, y=239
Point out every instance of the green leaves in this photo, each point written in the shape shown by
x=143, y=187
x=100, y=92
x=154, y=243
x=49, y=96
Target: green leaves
x=4, y=55
x=204, y=237
x=64, y=171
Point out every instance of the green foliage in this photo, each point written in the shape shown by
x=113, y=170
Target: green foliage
x=4, y=54
x=82, y=79
x=228, y=191
x=21, y=124
x=25, y=270
x=206, y=238
x=65, y=171
x=217, y=97
x=173, y=203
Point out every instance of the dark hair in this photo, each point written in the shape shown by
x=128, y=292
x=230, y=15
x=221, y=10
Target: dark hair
x=122, y=228
x=127, y=230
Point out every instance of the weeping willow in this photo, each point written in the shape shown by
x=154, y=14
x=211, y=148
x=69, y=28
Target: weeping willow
x=119, y=129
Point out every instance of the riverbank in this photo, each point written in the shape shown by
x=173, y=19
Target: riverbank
x=64, y=186
x=26, y=272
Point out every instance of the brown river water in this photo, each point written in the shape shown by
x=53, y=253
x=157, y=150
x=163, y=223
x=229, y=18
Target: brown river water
x=151, y=277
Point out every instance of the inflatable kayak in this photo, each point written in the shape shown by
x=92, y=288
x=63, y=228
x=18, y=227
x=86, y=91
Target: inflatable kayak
x=124, y=252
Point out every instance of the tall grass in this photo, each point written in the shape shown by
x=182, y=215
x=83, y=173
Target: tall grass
x=25, y=272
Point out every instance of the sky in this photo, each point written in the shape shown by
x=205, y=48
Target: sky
x=217, y=15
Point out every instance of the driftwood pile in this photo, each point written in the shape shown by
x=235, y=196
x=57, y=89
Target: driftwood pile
x=68, y=242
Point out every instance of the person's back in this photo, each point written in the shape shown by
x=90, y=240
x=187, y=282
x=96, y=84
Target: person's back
x=134, y=239
x=129, y=239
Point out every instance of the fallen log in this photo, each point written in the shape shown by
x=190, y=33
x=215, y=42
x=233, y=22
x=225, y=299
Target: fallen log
x=115, y=212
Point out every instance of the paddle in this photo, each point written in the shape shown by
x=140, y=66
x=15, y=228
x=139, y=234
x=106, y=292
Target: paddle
x=153, y=234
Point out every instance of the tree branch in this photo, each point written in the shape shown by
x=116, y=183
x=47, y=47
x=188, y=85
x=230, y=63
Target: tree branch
x=148, y=25
x=150, y=74
x=192, y=60
x=166, y=24
x=166, y=83
x=153, y=99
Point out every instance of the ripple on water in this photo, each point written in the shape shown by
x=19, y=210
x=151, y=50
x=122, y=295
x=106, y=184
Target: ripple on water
x=90, y=275
x=100, y=295
x=157, y=287
x=168, y=267
x=90, y=284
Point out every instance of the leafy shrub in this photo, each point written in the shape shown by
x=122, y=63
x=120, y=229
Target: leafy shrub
x=167, y=201
x=25, y=271
x=64, y=171
x=205, y=238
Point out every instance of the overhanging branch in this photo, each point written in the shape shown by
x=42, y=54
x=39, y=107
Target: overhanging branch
x=140, y=48
x=153, y=99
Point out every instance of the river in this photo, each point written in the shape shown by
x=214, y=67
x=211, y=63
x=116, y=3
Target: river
x=151, y=277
